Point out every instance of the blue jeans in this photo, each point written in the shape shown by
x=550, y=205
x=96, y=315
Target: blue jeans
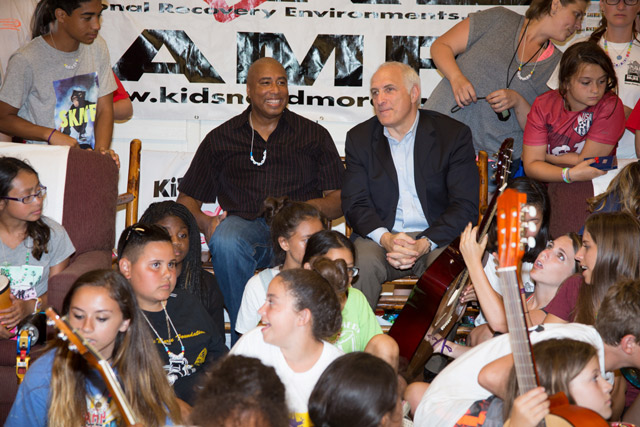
x=238, y=247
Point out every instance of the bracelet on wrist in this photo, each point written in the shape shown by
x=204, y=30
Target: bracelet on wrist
x=565, y=175
x=50, y=135
x=38, y=305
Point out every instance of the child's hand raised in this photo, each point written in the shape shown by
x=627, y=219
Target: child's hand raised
x=530, y=408
x=472, y=250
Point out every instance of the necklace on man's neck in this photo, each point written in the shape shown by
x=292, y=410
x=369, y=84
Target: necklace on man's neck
x=618, y=54
x=264, y=153
x=67, y=66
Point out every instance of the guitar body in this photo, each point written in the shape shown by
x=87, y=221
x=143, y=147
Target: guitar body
x=563, y=414
x=550, y=421
x=426, y=301
x=574, y=415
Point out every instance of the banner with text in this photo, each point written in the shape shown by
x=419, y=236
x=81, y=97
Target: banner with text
x=188, y=59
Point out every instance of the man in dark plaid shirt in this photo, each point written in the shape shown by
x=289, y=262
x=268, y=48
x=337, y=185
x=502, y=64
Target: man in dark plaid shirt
x=265, y=151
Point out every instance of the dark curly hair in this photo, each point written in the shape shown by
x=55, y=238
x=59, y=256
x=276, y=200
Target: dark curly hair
x=284, y=216
x=239, y=389
x=191, y=275
x=312, y=291
x=44, y=14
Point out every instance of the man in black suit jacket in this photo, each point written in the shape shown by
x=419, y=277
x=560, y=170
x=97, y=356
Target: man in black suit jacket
x=411, y=184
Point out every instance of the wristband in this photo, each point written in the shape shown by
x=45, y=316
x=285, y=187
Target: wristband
x=38, y=306
x=50, y=135
x=565, y=175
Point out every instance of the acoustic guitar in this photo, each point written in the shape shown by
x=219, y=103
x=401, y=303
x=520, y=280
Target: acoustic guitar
x=510, y=251
x=95, y=360
x=434, y=303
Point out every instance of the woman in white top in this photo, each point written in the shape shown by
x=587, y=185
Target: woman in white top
x=301, y=312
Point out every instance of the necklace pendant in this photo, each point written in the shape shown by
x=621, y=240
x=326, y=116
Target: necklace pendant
x=524, y=79
x=264, y=157
x=72, y=66
x=619, y=57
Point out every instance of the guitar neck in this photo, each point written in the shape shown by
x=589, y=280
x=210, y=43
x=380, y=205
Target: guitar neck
x=113, y=385
x=518, y=334
x=502, y=173
x=483, y=229
x=93, y=357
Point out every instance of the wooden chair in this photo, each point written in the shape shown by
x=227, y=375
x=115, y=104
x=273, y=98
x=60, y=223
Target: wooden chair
x=89, y=216
x=130, y=198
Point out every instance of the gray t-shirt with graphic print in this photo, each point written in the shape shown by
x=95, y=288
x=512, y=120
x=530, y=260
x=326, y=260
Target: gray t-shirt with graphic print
x=11, y=260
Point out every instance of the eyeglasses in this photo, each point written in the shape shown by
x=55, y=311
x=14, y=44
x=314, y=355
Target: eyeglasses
x=627, y=2
x=353, y=271
x=30, y=198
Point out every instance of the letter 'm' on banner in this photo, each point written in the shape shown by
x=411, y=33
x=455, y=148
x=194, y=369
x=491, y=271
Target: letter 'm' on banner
x=189, y=61
x=348, y=57
x=406, y=49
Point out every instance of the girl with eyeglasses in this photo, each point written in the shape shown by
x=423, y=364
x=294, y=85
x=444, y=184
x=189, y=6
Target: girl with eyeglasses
x=32, y=247
x=618, y=36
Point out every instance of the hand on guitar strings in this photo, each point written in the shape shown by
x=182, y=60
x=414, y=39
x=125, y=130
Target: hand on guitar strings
x=468, y=294
x=530, y=408
x=402, y=250
x=472, y=250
